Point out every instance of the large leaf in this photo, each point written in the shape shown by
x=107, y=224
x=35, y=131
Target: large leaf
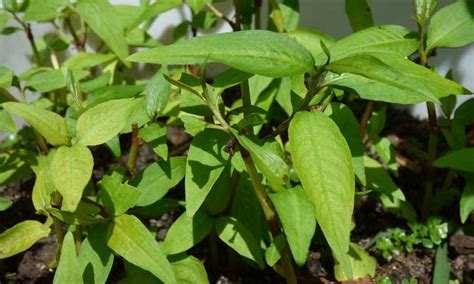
x=296, y=214
x=21, y=237
x=157, y=179
x=186, y=232
x=50, y=125
x=117, y=197
x=452, y=26
x=393, y=78
x=461, y=160
x=359, y=14
x=100, y=123
x=100, y=16
x=258, y=52
x=129, y=238
x=206, y=161
x=71, y=169
x=363, y=265
x=68, y=269
x=323, y=162
x=379, y=40
x=467, y=198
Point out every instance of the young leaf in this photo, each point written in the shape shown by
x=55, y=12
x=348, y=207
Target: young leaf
x=21, y=237
x=296, y=214
x=206, y=161
x=423, y=10
x=323, y=162
x=117, y=197
x=186, y=232
x=258, y=52
x=467, y=198
x=190, y=270
x=359, y=14
x=311, y=39
x=71, y=169
x=100, y=16
x=5, y=203
x=157, y=179
x=452, y=26
x=95, y=257
x=461, y=160
x=129, y=238
x=68, y=268
x=362, y=263
x=240, y=239
x=100, y=123
x=157, y=93
x=50, y=125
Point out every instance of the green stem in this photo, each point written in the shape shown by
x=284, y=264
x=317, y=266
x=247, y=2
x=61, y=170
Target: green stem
x=132, y=155
x=78, y=237
x=27, y=28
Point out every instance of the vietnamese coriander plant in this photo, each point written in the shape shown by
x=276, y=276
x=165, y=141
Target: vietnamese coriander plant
x=271, y=152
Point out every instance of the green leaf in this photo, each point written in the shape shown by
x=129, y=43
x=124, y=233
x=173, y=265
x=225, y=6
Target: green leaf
x=424, y=9
x=467, y=198
x=157, y=93
x=129, y=238
x=205, y=163
x=290, y=10
x=311, y=39
x=363, y=265
x=441, y=273
x=391, y=195
x=86, y=60
x=359, y=14
x=43, y=10
x=452, y=26
x=21, y=237
x=95, y=257
x=100, y=123
x=100, y=16
x=258, y=52
x=68, y=267
x=50, y=80
x=376, y=41
x=71, y=169
x=349, y=127
x=50, y=125
x=190, y=270
x=270, y=164
x=5, y=203
x=240, y=239
x=156, y=136
x=76, y=218
x=117, y=197
x=157, y=179
x=6, y=77
x=154, y=10
x=296, y=214
x=43, y=188
x=186, y=232
x=323, y=162
x=273, y=252
x=460, y=160
x=393, y=79
x=6, y=123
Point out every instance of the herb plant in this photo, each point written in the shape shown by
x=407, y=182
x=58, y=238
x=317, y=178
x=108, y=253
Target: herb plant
x=273, y=149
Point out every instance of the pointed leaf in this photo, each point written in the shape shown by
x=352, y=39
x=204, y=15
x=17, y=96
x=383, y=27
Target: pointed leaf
x=21, y=237
x=323, y=162
x=461, y=160
x=68, y=268
x=311, y=40
x=157, y=93
x=467, y=198
x=359, y=14
x=258, y=52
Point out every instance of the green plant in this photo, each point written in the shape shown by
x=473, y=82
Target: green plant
x=275, y=150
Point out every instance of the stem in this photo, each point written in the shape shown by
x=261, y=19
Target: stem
x=132, y=155
x=221, y=15
x=365, y=118
x=238, y=17
x=77, y=40
x=78, y=237
x=258, y=14
x=27, y=28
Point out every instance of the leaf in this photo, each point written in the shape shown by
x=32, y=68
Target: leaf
x=467, y=198
x=271, y=165
x=240, y=239
x=95, y=258
x=272, y=254
x=71, y=169
x=129, y=238
x=323, y=162
x=76, y=218
x=423, y=10
x=296, y=214
x=100, y=16
x=154, y=10
x=43, y=188
x=197, y=5
x=21, y=237
x=359, y=14
x=50, y=80
x=117, y=197
x=258, y=52
x=5, y=203
x=186, y=232
x=362, y=264
x=384, y=148
x=451, y=26
x=205, y=163
x=156, y=136
x=157, y=93
x=50, y=125
x=393, y=75
x=6, y=77
x=349, y=127
x=156, y=180
x=442, y=271
x=311, y=39
x=68, y=268
x=100, y=123
x=460, y=160
x=290, y=10
x=15, y=165
x=190, y=270
x=376, y=41
x=43, y=10
x=86, y=60
x=6, y=123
